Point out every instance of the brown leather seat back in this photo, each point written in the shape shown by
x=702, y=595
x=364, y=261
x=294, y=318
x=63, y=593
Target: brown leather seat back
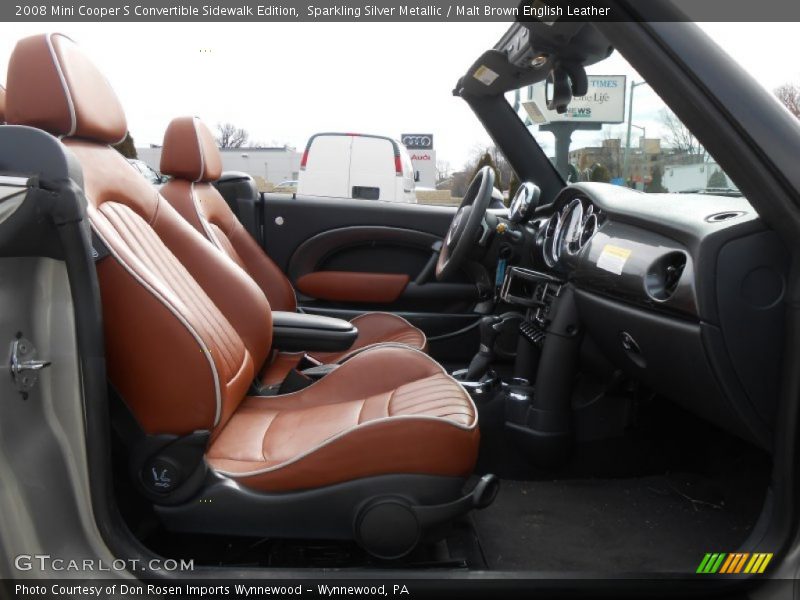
x=2, y=105
x=178, y=316
x=190, y=155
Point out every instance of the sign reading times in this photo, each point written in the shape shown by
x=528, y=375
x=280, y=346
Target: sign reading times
x=604, y=103
x=417, y=141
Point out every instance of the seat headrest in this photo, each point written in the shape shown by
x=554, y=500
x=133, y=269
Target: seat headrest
x=2, y=105
x=190, y=151
x=53, y=86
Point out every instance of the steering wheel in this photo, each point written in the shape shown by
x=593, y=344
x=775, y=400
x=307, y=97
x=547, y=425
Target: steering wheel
x=466, y=224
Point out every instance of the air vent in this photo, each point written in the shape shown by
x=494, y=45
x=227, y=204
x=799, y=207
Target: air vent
x=664, y=275
x=724, y=216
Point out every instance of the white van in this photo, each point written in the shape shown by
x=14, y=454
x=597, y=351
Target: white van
x=359, y=166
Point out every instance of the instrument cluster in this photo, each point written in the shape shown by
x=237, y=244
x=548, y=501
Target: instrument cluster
x=568, y=230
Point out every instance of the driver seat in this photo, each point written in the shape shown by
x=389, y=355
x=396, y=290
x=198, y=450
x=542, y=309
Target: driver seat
x=191, y=157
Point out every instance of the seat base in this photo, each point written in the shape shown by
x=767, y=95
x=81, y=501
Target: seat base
x=364, y=510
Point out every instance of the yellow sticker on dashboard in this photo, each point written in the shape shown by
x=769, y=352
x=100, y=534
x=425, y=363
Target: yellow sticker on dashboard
x=613, y=258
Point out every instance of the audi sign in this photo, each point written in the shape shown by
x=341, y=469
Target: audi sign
x=417, y=141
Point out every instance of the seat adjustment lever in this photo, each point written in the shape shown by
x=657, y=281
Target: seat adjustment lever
x=390, y=527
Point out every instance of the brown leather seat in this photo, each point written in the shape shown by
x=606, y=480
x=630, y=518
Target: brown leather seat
x=191, y=157
x=2, y=104
x=186, y=329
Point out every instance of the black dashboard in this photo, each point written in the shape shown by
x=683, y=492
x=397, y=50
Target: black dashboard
x=683, y=291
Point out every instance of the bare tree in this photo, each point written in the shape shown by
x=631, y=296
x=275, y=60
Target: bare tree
x=443, y=170
x=502, y=167
x=230, y=136
x=789, y=95
x=678, y=137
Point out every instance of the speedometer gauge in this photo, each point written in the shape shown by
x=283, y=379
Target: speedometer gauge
x=569, y=238
x=550, y=235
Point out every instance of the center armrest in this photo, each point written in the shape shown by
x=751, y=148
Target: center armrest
x=293, y=332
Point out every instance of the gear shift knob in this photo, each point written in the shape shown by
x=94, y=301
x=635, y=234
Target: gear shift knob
x=489, y=328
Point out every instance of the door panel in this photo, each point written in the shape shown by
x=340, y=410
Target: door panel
x=383, y=242
x=303, y=218
x=346, y=257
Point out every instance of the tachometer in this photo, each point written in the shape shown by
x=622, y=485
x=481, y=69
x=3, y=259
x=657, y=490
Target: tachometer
x=524, y=202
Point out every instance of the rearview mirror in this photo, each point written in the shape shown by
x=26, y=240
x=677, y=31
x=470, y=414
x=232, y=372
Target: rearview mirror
x=565, y=81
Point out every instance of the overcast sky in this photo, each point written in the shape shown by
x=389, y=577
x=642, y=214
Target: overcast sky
x=283, y=82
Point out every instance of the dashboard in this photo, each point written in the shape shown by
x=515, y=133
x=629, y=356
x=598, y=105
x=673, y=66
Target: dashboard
x=682, y=291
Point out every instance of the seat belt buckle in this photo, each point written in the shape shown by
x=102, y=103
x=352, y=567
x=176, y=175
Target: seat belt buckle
x=307, y=362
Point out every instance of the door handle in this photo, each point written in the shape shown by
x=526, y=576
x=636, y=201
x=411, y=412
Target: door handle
x=430, y=266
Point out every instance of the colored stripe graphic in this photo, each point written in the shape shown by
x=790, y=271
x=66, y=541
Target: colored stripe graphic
x=741, y=562
x=729, y=563
x=711, y=563
x=703, y=564
x=734, y=563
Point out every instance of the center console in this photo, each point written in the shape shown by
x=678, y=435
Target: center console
x=537, y=398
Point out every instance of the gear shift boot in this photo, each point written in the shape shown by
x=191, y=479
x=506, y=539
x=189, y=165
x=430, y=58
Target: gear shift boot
x=489, y=328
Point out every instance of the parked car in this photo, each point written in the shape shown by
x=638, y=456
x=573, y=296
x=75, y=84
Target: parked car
x=148, y=172
x=729, y=192
x=288, y=186
x=357, y=166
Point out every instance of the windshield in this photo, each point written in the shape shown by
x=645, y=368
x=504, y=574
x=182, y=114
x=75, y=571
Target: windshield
x=620, y=132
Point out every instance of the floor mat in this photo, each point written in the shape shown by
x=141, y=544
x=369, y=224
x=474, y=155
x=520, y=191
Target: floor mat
x=649, y=524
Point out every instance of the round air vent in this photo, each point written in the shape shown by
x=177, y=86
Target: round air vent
x=664, y=274
x=724, y=216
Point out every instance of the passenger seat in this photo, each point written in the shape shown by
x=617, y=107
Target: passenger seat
x=191, y=157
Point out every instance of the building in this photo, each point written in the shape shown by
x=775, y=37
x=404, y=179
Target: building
x=682, y=178
x=268, y=166
x=679, y=170
x=643, y=160
x=609, y=154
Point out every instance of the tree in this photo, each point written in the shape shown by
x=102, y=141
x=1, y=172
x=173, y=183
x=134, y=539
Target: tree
x=656, y=185
x=789, y=95
x=513, y=185
x=503, y=168
x=487, y=161
x=717, y=180
x=231, y=136
x=126, y=147
x=600, y=173
x=678, y=136
x=442, y=170
x=572, y=174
